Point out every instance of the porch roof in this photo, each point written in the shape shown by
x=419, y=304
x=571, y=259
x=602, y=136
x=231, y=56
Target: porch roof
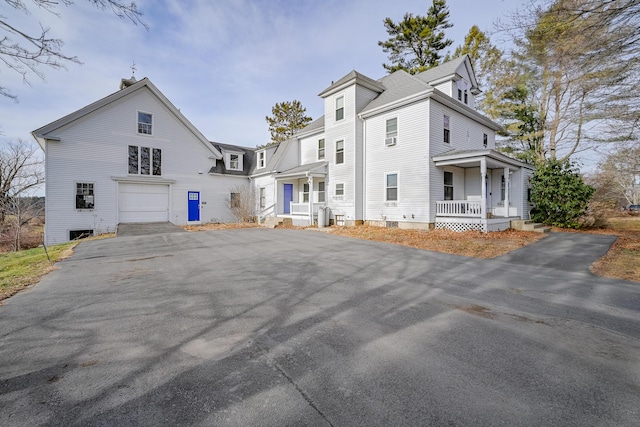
x=317, y=169
x=472, y=158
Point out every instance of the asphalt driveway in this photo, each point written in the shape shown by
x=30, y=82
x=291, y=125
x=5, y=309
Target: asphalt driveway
x=287, y=327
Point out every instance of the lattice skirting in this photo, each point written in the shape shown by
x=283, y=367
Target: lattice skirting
x=461, y=226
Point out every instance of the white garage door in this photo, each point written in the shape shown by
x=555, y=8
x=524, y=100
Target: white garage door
x=143, y=203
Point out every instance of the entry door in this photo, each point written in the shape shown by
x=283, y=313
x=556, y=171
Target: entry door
x=288, y=197
x=194, y=206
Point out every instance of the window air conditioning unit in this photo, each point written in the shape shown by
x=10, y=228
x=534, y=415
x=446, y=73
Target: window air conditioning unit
x=390, y=141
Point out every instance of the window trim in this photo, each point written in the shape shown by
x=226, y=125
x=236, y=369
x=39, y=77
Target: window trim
x=340, y=152
x=262, y=159
x=390, y=138
x=485, y=140
x=445, y=185
x=262, y=197
x=335, y=193
x=387, y=187
x=152, y=153
x=305, y=192
x=322, y=192
x=446, y=124
x=322, y=149
x=339, y=110
x=234, y=200
x=141, y=125
x=93, y=194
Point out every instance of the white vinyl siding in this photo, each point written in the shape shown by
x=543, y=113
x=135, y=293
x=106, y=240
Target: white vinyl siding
x=94, y=150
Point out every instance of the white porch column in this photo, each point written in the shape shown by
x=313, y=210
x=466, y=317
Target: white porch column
x=310, y=181
x=483, y=186
x=506, y=192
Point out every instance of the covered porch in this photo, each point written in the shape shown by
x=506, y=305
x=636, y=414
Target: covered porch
x=482, y=190
x=300, y=193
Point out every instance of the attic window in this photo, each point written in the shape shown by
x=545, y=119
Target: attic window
x=144, y=123
x=466, y=97
x=261, y=159
x=446, y=129
x=233, y=161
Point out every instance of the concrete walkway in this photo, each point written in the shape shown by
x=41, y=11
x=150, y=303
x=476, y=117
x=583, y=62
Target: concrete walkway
x=286, y=327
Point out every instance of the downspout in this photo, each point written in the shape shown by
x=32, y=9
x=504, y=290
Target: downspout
x=310, y=182
x=364, y=170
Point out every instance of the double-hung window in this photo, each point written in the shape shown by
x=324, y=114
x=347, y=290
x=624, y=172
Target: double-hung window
x=145, y=121
x=485, y=140
x=340, y=189
x=261, y=159
x=321, y=149
x=391, y=135
x=305, y=193
x=234, y=162
x=321, y=192
x=391, y=193
x=448, y=185
x=446, y=129
x=84, y=195
x=339, y=108
x=262, y=197
x=339, y=151
x=145, y=160
x=234, y=200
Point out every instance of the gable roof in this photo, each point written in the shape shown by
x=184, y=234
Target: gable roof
x=398, y=85
x=48, y=131
x=348, y=80
x=449, y=69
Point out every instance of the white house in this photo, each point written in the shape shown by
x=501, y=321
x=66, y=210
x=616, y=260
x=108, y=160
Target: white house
x=403, y=151
x=133, y=157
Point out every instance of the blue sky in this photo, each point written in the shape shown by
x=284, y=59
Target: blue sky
x=223, y=63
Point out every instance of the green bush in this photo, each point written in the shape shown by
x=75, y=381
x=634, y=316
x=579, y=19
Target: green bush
x=559, y=194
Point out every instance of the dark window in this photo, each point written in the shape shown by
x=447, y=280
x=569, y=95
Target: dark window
x=84, y=195
x=459, y=94
x=234, y=200
x=133, y=159
x=234, y=163
x=305, y=193
x=144, y=123
x=261, y=162
x=79, y=234
x=466, y=97
x=339, y=152
x=321, y=192
x=145, y=161
x=157, y=161
x=448, y=186
x=262, y=197
x=502, y=187
x=392, y=187
x=339, y=189
x=446, y=129
x=340, y=108
x=321, y=149
x=485, y=139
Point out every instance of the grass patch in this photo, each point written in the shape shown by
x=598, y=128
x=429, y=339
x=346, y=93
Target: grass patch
x=21, y=269
x=220, y=226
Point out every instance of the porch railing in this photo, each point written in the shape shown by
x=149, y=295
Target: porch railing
x=303, y=208
x=461, y=208
x=265, y=212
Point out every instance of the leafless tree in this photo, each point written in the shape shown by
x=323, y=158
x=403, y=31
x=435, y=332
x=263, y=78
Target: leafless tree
x=26, y=53
x=242, y=203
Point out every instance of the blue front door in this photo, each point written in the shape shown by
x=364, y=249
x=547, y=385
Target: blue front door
x=194, y=206
x=288, y=198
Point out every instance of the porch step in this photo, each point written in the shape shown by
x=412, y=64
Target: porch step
x=274, y=221
x=271, y=222
x=528, y=225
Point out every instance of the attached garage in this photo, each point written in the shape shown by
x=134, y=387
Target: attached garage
x=143, y=202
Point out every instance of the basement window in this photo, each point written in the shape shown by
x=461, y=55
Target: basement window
x=79, y=234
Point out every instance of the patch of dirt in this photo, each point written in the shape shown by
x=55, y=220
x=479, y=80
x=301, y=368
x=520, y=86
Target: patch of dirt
x=477, y=310
x=469, y=243
x=220, y=226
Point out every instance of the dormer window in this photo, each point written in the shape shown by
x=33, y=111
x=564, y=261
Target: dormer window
x=466, y=97
x=145, y=121
x=261, y=159
x=234, y=163
x=339, y=108
x=459, y=94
